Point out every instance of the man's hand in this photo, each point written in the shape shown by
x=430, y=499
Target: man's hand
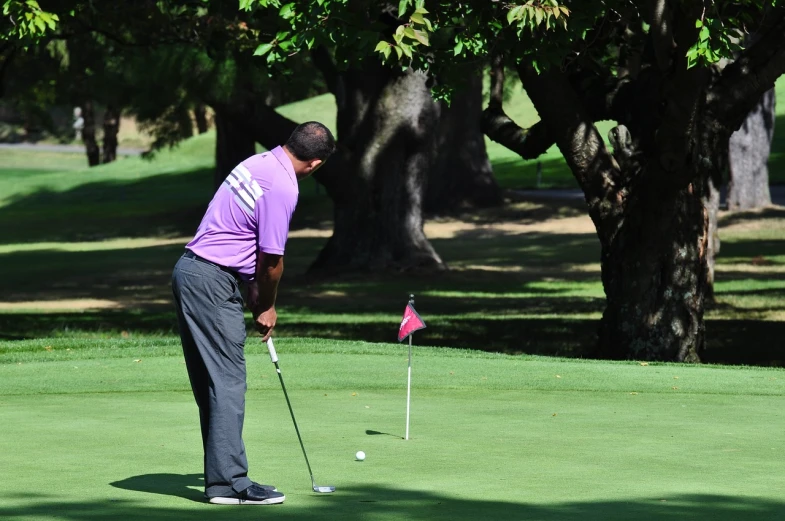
x=265, y=322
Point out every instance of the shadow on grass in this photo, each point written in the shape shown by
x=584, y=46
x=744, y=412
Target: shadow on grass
x=165, y=205
x=510, y=291
x=370, y=432
x=523, y=208
x=133, y=277
x=777, y=212
x=550, y=337
x=734, y=342
x=528, y=249
x=160, y=205
x=374, y=502
x=140, y=276
x=745, y=342
x=754, y=249
x=186, y=486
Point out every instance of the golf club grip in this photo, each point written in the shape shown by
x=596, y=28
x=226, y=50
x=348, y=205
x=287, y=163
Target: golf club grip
x=271, y=349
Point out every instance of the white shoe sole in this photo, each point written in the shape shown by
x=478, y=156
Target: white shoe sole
x=238, y=501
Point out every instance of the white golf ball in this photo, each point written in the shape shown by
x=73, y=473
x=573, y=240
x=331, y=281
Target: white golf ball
x=360, y=455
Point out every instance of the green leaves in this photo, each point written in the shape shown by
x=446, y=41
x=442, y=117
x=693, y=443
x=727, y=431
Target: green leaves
x=384, y=48
x=533, y=13
x=461, y=35
x=263, y=49
x=409, y=36
x=716, y=39
x=402, y=5
x=28, y=21
x=287, y=11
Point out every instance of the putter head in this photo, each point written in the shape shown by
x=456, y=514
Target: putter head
x=323, y=490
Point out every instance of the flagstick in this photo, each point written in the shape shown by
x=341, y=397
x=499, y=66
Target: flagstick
x=409, y=387
x=409, y=379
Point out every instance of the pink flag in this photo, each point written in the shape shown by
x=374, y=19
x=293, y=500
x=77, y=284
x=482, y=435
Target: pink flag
x=411, y=322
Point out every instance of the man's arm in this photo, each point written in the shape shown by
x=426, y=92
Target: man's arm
x=263, y=290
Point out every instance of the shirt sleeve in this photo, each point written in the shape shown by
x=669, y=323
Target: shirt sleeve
x=274, y=211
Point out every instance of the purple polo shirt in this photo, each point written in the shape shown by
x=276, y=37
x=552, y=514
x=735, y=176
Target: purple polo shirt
x=251, y=211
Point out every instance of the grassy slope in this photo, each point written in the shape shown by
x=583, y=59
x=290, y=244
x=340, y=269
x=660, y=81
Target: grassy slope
x=493, y=437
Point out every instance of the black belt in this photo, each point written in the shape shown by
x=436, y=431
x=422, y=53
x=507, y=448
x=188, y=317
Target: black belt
x=191, y=255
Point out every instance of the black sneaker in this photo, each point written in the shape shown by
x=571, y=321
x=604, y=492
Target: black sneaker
x=253, y=495
x=271, y=488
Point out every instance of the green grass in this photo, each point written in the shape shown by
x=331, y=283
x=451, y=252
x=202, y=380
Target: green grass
x=492, y=436
x=777, y=157
x=109, y=236
x=99, y=422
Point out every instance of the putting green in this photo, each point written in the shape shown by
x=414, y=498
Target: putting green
x=103, y=436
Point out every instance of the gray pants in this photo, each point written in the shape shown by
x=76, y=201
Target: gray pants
x=212, y=330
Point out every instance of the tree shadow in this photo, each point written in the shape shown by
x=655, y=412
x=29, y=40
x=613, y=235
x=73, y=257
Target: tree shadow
x=731, y=218
x=527, y=249
x=524, y=207
x=164, y=205
x=745, y=342
x=753, y=249
x=376, y=502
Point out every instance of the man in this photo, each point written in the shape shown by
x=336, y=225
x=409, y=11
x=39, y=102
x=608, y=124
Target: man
x=241, y=239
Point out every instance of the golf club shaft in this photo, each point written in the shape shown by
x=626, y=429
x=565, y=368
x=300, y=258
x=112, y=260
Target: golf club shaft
x=274, y=358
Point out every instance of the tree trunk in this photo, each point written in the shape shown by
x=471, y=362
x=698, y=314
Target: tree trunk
x=651, y=225
x=712, y=203
x=111, y=128
x=200, y=115
x=88, y=135
x=233, y=143
x=462, y=176
x=654, y=274
x=749, y=151
x=387, y=121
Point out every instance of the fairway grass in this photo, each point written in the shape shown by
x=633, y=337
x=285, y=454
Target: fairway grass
x=110, y=431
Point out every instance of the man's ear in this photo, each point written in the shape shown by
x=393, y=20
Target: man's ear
x=314, y=164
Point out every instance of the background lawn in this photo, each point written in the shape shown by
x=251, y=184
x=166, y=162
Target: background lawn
x=492, y=436
x=91, y=252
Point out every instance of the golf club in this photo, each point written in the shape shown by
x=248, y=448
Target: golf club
x=274, y=359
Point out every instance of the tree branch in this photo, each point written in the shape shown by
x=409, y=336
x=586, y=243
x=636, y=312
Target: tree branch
x=579, y=142
x=661, y=32
x=528, y=143
x=270, y=129
x=743, y=82
x=603, y=97
x=497, y=82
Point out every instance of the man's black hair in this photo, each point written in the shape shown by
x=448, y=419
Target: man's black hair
x=311, y=140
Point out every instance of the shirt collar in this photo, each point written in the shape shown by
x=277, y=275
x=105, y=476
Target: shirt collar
x=282, y=158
